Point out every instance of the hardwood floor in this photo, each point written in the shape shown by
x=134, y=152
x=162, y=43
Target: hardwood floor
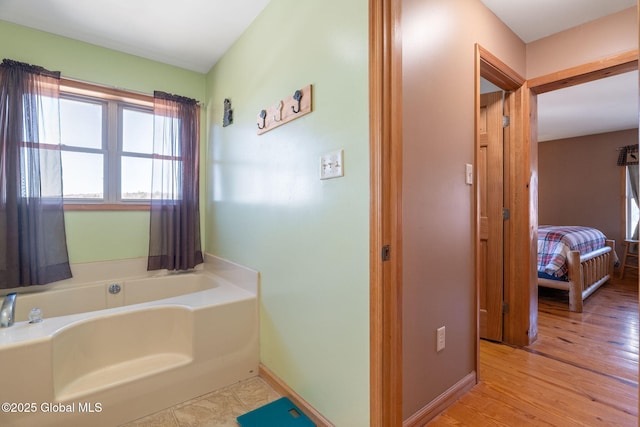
x=582, y=370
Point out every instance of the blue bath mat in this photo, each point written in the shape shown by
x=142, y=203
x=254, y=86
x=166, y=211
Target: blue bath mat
x=280, y=413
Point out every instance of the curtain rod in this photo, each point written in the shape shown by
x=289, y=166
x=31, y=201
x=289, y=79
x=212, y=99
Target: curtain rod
x=75, y=80
x=111, y=87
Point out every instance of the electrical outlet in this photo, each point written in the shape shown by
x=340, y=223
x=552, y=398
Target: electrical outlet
x=440, y=339
x=331, y=165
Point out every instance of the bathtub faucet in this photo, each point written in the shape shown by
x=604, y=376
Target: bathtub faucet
x=7, y=310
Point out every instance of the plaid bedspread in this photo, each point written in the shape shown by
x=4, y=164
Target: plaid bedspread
x=554, y=243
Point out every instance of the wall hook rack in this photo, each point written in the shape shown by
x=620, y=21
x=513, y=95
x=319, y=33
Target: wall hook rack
x=286, y=110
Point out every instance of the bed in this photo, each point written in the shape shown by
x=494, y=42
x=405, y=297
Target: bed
x=574, y=258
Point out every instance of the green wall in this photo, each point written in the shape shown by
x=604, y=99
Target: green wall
x=99, y=236
x=265, y=206
x=267, y=209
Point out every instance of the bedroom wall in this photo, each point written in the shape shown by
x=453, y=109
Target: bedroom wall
x=611, y=35
x=100, y=235
x=268, y=209
x=437, y=210
x=580, y=183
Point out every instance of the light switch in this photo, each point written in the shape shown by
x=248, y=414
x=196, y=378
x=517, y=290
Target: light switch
x=440, y=339
x=469, y=174
x=331, y=165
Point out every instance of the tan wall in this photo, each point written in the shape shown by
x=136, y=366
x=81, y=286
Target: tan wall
x=437, y=212
x=611, y=35
x=438, y=125
x=580, y=184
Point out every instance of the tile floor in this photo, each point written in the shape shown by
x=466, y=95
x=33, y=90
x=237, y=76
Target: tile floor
x=216, y=409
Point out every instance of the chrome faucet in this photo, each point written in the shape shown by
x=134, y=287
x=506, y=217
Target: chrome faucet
x=7, y=310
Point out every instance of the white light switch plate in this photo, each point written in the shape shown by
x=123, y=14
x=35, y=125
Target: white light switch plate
x=468, y=176
x=331, y=165
x=440, y=339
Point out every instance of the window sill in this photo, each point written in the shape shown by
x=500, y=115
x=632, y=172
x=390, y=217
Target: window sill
x=106, y=207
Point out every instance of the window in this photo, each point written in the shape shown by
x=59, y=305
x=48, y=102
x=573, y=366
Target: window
x=107, y=143
x=632, y=213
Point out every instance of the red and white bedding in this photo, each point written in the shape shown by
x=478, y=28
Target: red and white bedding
x=555, y=242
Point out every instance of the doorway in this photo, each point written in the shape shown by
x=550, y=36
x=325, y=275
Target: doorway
x=596, y=153
x=520, y=301
x=517, y=309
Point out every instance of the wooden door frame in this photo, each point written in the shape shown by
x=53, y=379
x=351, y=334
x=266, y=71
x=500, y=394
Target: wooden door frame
x=584, y=73
x=520, y=190
x=600, y=69
x=385, y=127
x=520, y=321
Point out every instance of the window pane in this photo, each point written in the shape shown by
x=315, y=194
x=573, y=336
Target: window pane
x=633, y=213
x=81, y=123
x=167, y=179
x=169, y=130
x=82, y=175
x=137, y=131
x=635, y=216
x=136, y=178
x=46, y=128
x=40, y=171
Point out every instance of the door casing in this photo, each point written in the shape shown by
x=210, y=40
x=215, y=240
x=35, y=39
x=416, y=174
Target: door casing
x=520, y=197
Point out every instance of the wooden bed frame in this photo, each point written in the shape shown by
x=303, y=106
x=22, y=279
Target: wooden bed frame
x=586, y=273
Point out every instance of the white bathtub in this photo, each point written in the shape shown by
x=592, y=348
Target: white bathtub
x=144, y=349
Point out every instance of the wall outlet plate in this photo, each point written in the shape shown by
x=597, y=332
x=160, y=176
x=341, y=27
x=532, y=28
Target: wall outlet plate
x=331, y=165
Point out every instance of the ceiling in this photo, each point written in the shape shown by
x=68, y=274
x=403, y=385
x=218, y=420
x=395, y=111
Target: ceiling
x=601, y=106
x=193, y=34
x=534, y=19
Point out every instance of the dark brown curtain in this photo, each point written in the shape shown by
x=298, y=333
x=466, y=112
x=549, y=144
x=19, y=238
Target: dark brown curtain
x=174, y=241
x=33, y=247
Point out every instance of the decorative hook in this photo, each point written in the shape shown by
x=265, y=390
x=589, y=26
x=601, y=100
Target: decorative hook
x=278, y=108
x=227, y=118
x=297, y=96
x=263, y=115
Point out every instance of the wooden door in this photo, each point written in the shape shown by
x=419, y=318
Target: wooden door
x=491, y=202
